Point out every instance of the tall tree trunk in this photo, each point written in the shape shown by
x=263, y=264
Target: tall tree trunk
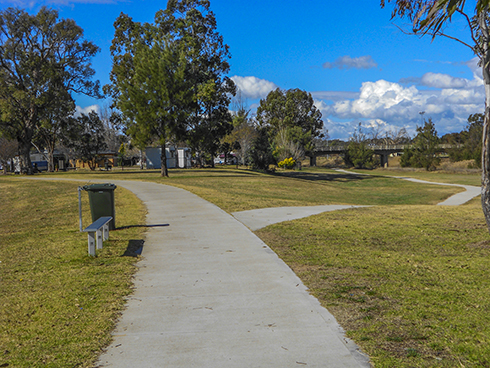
x=163, y=160
x=51, y=158
x=25, y=158
x=485, y=164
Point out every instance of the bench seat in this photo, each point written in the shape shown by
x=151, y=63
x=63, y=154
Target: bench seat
x=98, y=231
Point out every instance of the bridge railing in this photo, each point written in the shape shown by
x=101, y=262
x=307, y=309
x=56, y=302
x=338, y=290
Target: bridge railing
x=380, y=147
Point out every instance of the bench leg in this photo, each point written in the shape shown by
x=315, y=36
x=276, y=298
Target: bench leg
x=106, y=231
x=91, y=244
x=99, y=239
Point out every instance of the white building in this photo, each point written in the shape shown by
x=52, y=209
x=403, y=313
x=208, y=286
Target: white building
x=183, y=160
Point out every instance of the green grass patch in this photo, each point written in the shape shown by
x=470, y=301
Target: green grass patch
x=57, y=304
x=473, y=178
x=242, y=189
x=410, y=284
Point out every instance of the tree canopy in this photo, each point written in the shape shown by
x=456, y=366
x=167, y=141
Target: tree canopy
x=42, y=60
x=168, y=78
x=291, y=120
x=86, y=136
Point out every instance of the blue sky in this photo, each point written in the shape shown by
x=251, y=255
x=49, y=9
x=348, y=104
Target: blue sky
x=359, y=67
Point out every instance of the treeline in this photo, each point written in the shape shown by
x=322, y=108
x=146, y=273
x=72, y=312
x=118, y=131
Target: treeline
x=465, y=145
x=285, y=128
x=423, y=150
x=168, y=84
x=468, y=143
x=43, y=61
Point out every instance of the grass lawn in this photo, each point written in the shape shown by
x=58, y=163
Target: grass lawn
x=239, y=190
x=57, y=304
x=435, y=176
x=408, y=281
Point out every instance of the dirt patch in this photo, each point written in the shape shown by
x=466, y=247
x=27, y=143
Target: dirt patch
x=480, y=245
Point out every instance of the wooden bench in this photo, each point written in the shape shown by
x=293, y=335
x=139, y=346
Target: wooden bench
x=98, y=231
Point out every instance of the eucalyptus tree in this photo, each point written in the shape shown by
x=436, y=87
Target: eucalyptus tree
x=291, y=119
x=40, y=56
x=85, y=135
x=54, y=121
x=431, y=18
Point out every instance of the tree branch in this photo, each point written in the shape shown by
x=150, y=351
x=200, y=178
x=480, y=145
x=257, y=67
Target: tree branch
x=438, y=34
x=470, y=26
x=473, y=48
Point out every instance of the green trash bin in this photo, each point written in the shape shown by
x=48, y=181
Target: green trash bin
x=101, y=199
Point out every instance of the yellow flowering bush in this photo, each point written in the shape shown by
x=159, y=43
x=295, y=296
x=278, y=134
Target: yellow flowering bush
x=287, y=163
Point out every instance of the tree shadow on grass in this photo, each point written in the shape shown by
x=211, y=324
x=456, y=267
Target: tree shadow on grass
x=176, y=173
x=320, y=176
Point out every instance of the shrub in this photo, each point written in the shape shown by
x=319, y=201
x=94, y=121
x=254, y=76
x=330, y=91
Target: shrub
x=287, y=163
x=359, y=155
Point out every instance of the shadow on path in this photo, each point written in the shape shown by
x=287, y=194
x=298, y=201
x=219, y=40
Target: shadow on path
x=131, y=226
x=135, y=248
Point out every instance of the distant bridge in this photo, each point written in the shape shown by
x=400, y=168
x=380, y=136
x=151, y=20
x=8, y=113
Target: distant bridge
x=382, y=150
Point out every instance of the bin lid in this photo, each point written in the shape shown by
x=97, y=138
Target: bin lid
x=98, y=187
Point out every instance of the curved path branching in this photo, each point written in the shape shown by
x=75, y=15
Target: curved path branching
x=260, y=218
x=209, y=293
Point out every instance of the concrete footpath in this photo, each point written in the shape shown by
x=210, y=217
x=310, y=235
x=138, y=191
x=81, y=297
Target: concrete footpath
x=458, y=199
x=257, y=219
x=209, y=293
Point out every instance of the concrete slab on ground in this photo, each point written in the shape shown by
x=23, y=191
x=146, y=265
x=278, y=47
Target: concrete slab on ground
x=257, y=219
x=209, y=293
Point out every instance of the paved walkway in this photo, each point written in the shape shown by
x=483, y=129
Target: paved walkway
x=457, y=199
x=209, y=293
x=470, y=192
x=257, y=219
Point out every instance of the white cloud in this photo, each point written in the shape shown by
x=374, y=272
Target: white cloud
x=473, y=64
x=380, y=100
x=86, y=110
x=253, y=87
x=346, y=62
x=338, y=129
x=392, y=106
x=334, y=95
x=438, y=80
x=320, y=105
